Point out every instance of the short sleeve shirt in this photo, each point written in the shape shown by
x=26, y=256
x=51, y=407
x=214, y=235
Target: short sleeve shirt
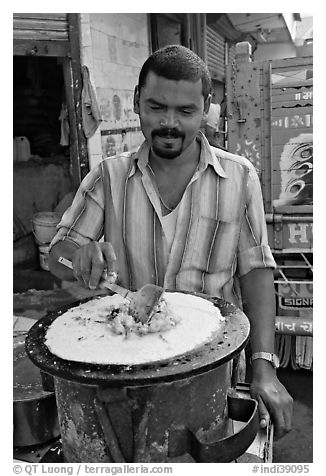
x=220, y=231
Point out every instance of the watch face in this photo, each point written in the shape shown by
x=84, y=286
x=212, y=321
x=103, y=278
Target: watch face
x=276, y=361
x=272, y=358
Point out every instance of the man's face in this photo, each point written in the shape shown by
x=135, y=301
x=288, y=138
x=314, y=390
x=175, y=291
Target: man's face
x=170, y=113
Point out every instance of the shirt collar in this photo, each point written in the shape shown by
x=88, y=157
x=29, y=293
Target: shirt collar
x=207, y=157
x=140, y=159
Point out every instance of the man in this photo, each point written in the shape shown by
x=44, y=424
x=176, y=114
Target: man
x=179, y=213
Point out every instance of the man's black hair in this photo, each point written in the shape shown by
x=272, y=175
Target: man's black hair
x=177, y=62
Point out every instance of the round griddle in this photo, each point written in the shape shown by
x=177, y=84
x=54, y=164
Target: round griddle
x=201, y=359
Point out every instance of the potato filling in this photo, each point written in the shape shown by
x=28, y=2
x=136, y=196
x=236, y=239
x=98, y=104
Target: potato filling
x=122, y=320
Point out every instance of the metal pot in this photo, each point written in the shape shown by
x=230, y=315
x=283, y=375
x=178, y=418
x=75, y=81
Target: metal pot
x=179, y=407
x=34, y=410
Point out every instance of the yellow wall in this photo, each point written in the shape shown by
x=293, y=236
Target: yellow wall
x=114, y=47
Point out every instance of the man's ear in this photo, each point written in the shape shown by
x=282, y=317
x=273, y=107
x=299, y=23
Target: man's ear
x=136, y=100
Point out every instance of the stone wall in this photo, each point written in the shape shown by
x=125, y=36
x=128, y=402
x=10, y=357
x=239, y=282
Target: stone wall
x=114, y=47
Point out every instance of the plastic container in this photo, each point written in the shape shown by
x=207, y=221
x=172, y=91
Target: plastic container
x=15, y=154
x=45, y=226
x=44, y=256
x=22, y=151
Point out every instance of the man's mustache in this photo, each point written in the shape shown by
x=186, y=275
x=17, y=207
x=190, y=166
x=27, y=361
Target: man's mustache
x=168, y=132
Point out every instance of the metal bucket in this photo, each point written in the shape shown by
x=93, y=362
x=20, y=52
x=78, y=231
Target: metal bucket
x=45, y=226
x=34, y=409
x=177, y=408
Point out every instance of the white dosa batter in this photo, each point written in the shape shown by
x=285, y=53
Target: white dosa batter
x=86, y=340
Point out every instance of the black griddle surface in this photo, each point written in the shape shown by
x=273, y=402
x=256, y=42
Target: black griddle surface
x=200, y=360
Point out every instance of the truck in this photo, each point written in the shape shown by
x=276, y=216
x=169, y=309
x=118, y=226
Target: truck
x=269, y=121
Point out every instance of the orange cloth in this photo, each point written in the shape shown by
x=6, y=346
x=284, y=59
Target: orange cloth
x=213, y=117
x=90, y=111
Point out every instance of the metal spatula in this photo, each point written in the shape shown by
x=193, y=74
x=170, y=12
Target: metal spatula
x=142, y=302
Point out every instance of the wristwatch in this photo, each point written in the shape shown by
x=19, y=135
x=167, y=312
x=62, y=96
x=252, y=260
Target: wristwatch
x=272, y=358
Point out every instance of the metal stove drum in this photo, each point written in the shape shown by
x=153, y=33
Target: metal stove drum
x=158, y=412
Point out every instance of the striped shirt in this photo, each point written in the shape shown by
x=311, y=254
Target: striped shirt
x=220, y=232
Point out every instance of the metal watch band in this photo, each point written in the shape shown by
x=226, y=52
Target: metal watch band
x=272, y=358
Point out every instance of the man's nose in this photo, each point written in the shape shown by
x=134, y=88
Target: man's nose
x=169, y=120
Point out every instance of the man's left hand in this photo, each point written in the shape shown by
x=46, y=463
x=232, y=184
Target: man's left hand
x=273, y=399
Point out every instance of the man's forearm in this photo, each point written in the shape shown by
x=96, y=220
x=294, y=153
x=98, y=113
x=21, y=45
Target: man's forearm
x=258, y=296
x=274, y=402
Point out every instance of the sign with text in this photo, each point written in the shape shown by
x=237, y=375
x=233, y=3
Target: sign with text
x=295, y=295
x=297, y=235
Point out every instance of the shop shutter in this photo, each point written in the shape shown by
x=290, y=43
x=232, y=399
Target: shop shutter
x=40, y=26
x=215, y=50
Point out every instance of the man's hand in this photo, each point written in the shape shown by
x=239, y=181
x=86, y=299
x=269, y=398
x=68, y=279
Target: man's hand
x=273, y=399
x=91, y=260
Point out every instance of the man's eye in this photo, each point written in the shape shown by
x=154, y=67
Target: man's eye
x=156, y=108
x=186, y=111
